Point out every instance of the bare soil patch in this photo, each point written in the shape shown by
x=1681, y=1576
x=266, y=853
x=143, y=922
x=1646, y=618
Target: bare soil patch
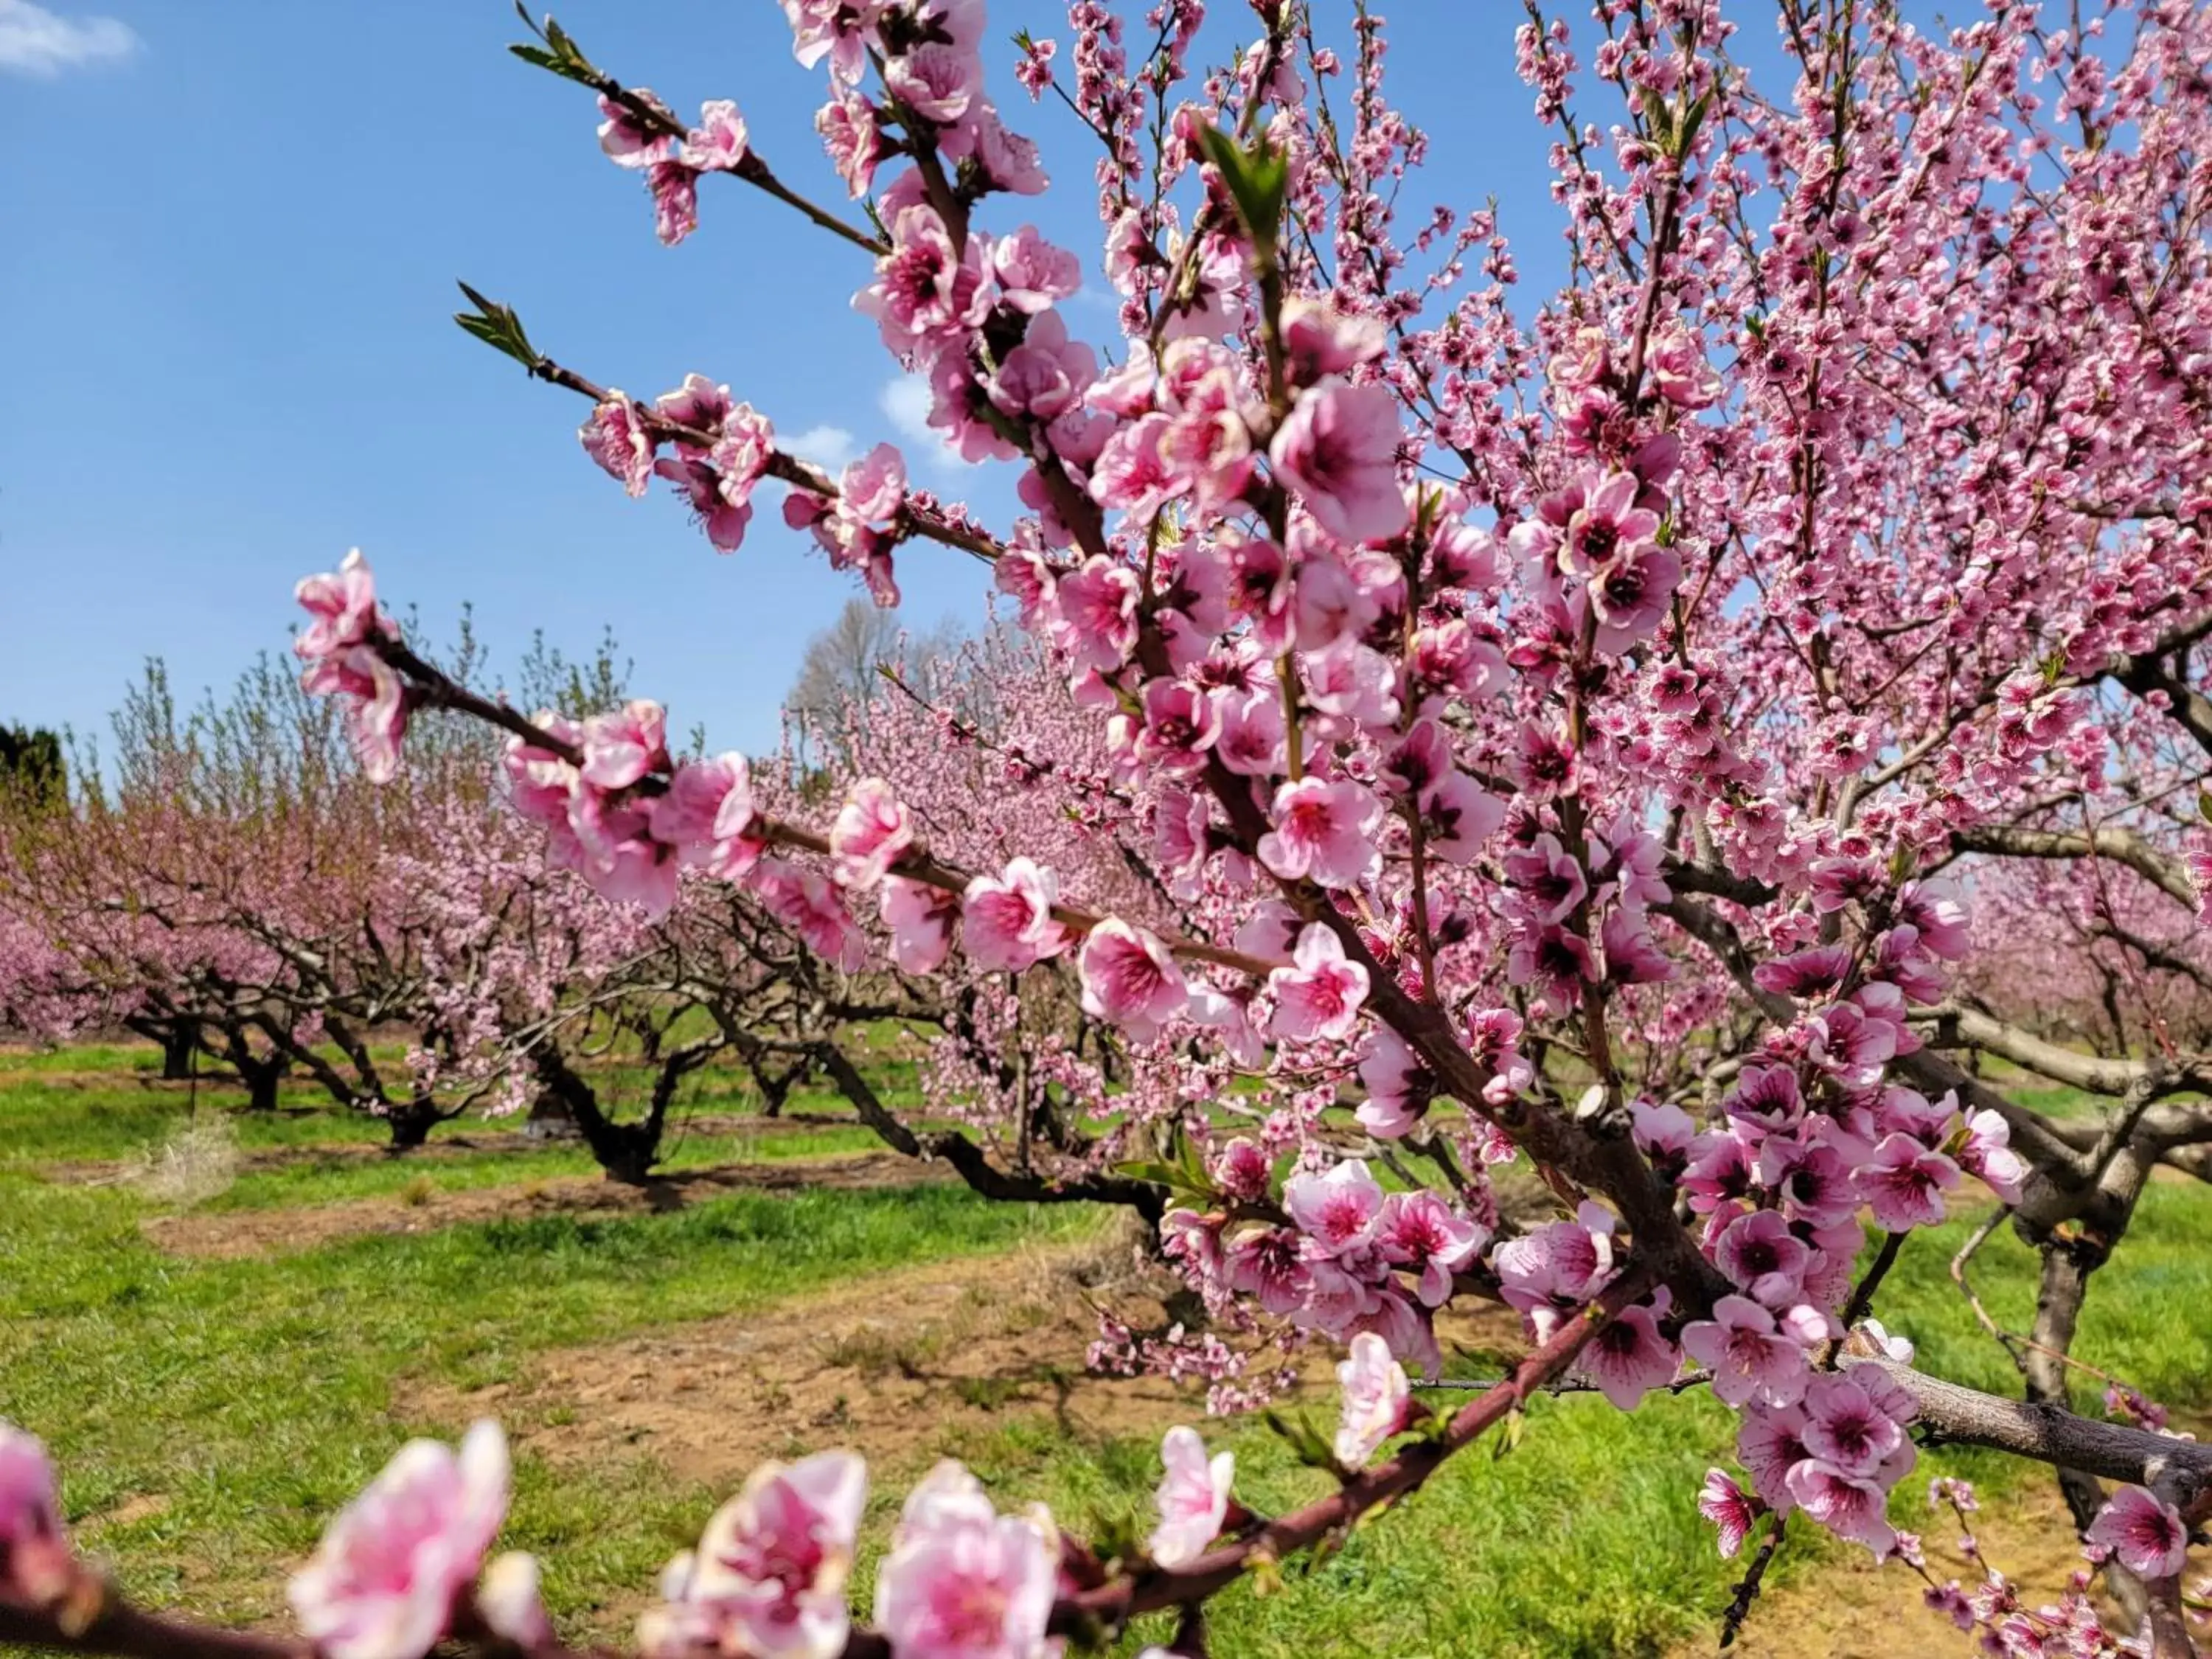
x=904, y=1368
x=233, y=1234
x=1854, y=1609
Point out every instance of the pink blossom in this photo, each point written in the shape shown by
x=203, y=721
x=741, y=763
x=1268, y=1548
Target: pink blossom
x=1130, y=978
x=962, y=1581
x=1492, y=1035
x=923, y=289
x=1250, y=742
x=1337, y=1209
x=1458, y=816
x=701, y=486
x=615, y=437
x=1904, y=1183
x=1006, y=921
x=1324, y=831
x=1729, y=1509
x=377, y=705
x=1319, y=340
x=1181, y=724
x=1772, y=1443
x=622, y=748
x=628, y=141
x=873, y=489
x=1560, y=1264
x=1678, y=369
x=872, y=829
x=1629, y=1358
x=1318, y=996
x=1762, y=1257
x=1553, y=963
x=2145, y=1532
x=1096, y=613
x=1193, y=1498
x=1630, y=596
x=1354, y=682
x=768, y=1576
x=1987, y=1153
x=743, y=446
x=1844, y=1426
x=717, y=144
x=1270, y=1264
x=853, y=138
x=1045, y=375
x=836, y=29
x=937, y=83
x=1399, y=1086
x=34, y=1553
x=1847, y=1505
x=1337, y=451
x=1607, y=530
x=383, y=1583
x=675, y=189
x=1547, y=879
x=804, y=901
x=1376, y=1401
x=1934, y=910
x=1418, y=1230
x=920, y=919
x=1663, y=1132
x=1032, y=273
x=1752, y=1355
x=1805, y=973
x=344, y=608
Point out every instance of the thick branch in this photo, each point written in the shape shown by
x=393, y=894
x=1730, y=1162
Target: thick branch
x=2121, y=845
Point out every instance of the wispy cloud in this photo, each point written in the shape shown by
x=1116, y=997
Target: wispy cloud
x=905, y=402
x=37, y=42
x=829, y=447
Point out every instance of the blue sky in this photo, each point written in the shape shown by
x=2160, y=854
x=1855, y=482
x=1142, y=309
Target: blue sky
x=233, y=231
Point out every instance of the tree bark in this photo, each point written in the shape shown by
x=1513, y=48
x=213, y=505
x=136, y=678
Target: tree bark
x=411, y=1122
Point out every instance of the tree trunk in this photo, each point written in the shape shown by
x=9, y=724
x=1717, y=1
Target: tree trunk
x=411, y=1122
x=2068, y=1263
x=627, y=1152
x=178, y=1045
x=262, y=1080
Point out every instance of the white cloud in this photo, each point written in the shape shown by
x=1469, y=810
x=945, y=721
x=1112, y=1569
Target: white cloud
x=829, y=447
x=36, y=42
x=905, y=402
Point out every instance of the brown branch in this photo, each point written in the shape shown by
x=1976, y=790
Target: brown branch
x=2121, y=845
x=2047, y=1434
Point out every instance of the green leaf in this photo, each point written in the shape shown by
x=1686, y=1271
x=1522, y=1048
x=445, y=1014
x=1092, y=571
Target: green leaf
x=2204, y=804
x=1306, y=1443
x=1258, y=180
x=537, y=55
x=1510, y=1433
x=498, y=327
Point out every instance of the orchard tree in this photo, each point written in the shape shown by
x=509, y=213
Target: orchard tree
x=1548, y=724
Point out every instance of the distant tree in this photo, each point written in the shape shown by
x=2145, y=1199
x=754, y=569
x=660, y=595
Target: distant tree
x=843, y=671
x=30, y=760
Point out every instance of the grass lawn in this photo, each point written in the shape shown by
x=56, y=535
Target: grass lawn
x=210, y=1415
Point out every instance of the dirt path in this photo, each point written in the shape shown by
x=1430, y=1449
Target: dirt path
x=1852, y=1609
x=229, y=1235
x=901, y=1368
x=906, y=1367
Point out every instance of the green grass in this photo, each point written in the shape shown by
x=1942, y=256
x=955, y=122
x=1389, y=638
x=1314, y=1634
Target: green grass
x=254, y=1397
x=257, y=1396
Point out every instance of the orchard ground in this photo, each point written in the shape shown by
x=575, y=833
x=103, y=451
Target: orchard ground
x=224, y=1330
